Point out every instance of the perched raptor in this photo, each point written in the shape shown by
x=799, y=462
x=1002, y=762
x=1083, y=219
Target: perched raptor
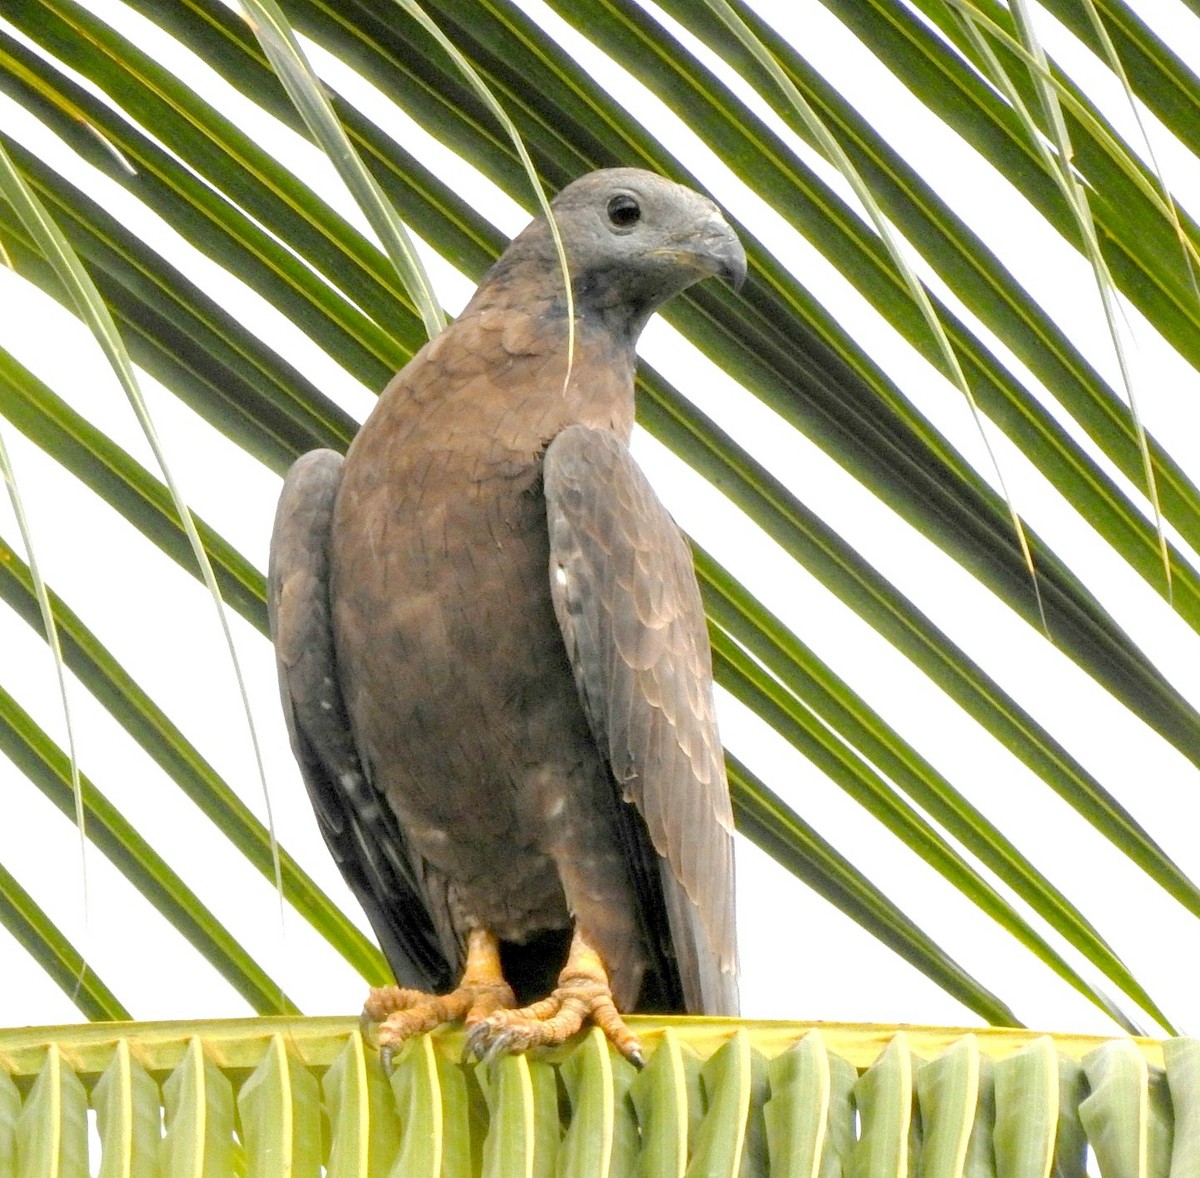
x=493, y=657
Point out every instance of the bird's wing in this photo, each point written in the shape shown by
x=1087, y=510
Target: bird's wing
x=359, y=827
x=626, y=598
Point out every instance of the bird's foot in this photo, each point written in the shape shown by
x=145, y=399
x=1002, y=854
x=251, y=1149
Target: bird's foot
x=579, y=997
x=403, y=1014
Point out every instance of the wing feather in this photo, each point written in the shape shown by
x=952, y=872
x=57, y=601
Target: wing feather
x=358, y=826
x=627, y=602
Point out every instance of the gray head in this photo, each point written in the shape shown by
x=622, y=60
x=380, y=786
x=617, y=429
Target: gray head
x=633, y=239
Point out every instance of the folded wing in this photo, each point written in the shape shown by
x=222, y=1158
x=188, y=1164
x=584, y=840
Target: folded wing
x=359, y=827
x=626, y=598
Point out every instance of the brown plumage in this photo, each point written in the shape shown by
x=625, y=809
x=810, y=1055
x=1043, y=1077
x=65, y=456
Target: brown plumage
x=492, y=652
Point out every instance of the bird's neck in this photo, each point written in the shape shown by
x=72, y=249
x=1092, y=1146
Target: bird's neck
x=498, y=382
x=604, y=309
x=534, y=342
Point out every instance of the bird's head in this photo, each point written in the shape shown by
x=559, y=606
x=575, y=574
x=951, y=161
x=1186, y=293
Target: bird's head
x=633, y=239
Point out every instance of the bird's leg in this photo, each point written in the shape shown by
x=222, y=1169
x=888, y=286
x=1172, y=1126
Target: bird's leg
x=583, y=994
x=404, y=1013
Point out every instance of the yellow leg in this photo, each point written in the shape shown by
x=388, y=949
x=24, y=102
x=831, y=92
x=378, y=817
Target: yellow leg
x=404, y=1013
x=583, y=994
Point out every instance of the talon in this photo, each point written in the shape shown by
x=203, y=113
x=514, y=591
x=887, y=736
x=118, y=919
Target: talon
x=502, y=1044
x=476, y=1042
x=400, y=1014
x=485, y=1003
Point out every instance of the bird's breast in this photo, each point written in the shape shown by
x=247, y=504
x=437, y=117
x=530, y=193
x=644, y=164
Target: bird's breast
x=451, y=660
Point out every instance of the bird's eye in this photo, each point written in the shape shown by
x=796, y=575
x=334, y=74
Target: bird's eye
x=624, y=211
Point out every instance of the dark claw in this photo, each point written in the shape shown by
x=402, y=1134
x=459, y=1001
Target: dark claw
x=500, y=1045
x=476, y=1043
x=636, y=1058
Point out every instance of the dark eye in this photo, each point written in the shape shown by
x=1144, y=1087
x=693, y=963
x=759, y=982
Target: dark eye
x=624, y=211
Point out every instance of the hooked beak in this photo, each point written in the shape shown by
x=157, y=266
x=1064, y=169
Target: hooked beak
x=728, y=258
x=731, y=261
x=712, y=247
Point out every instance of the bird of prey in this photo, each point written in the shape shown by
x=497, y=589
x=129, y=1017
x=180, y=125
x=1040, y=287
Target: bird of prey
x=493, y=657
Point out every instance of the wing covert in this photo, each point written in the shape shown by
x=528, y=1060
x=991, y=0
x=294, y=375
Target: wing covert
x=627, y=602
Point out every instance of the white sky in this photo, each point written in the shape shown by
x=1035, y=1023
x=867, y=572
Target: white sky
x=800, y=957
